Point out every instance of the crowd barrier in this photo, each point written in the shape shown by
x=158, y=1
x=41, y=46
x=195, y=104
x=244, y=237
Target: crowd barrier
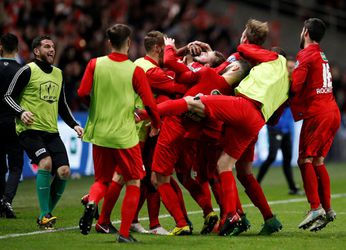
x=80, y=153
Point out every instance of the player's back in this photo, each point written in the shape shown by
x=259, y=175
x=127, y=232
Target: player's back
x=316, y=95
x=209, y=82
x=8, y=68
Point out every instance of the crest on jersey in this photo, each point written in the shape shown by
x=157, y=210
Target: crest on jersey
x=323, y=56
x=49, y=92
x=215, y=92
x=231, y=59
x=296, y=64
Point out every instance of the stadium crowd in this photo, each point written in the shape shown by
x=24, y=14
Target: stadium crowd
x=78, y=27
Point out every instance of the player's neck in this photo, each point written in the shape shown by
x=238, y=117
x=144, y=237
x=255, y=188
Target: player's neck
x=124, y=51
x=307, y=44
x=9, y=55
x=153, y=56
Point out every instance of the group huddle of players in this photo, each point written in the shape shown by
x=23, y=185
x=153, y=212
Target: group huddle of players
x=211, y=109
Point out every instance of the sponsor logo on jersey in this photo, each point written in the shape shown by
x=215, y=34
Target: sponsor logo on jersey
x=296, y=64
x=40, y=151
x=323, y=56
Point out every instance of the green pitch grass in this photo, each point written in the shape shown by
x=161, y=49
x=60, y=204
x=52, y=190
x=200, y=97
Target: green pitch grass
x=22, y=233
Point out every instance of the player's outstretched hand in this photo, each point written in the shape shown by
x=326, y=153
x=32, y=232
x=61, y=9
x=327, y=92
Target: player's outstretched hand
x=27, y=117
x=169, y=41
x=79, y=130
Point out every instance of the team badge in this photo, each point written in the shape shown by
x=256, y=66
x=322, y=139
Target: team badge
x=49, y=92
x=215, y=92
x=296, y=64
x=231, y=59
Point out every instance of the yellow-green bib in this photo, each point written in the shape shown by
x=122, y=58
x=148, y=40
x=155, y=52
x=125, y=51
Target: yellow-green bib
x=268, y=84
x=142, y=127
x=111, y=120
x=41, y=97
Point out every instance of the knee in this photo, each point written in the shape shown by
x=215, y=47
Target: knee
x=153, y=180
x=302, y=161
x=64, y=172
x=118, y=178
x=243, y=168
x=225, y=163
x=46, y=164
x=318, y=161
x=135, y=182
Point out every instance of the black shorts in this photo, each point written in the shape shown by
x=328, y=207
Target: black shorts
x=40, y=144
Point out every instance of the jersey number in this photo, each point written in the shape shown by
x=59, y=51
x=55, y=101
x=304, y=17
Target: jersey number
x=327, y=76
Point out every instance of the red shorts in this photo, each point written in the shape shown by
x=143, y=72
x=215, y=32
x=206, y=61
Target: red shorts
x=242, y=120
x=169, y=146
x=317, y=134
x=126, y=162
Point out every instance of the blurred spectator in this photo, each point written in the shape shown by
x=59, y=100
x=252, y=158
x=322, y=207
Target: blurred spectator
x=79, y=26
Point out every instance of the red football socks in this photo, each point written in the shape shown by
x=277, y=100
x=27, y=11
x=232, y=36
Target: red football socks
x=228, y=187
x=216, y=189
x=239, y=207
x=310, y=184
x=97, y=191
x=171, y=202
x=142, y=198
x=179, y=194
x=199, y=195
x=323, y=186
x=128, y=209
x=153, y=202
x=109, y=201
x=255, y=193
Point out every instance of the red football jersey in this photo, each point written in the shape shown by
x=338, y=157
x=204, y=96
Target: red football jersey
x=311, y=89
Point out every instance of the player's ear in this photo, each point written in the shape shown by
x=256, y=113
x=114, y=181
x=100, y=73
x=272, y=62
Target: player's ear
x=306, y=33
x=236, y=67
x=36, y=51
x=109, y=43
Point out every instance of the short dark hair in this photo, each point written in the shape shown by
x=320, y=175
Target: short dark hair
x=153, y=38
x=117, y=35
x=37, y=41
x=316, y=28
x=219, y=58
x=279, y=50
x=256, y=31
x=9, y=42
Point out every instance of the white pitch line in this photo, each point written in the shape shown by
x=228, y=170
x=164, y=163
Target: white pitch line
x=296, y=200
